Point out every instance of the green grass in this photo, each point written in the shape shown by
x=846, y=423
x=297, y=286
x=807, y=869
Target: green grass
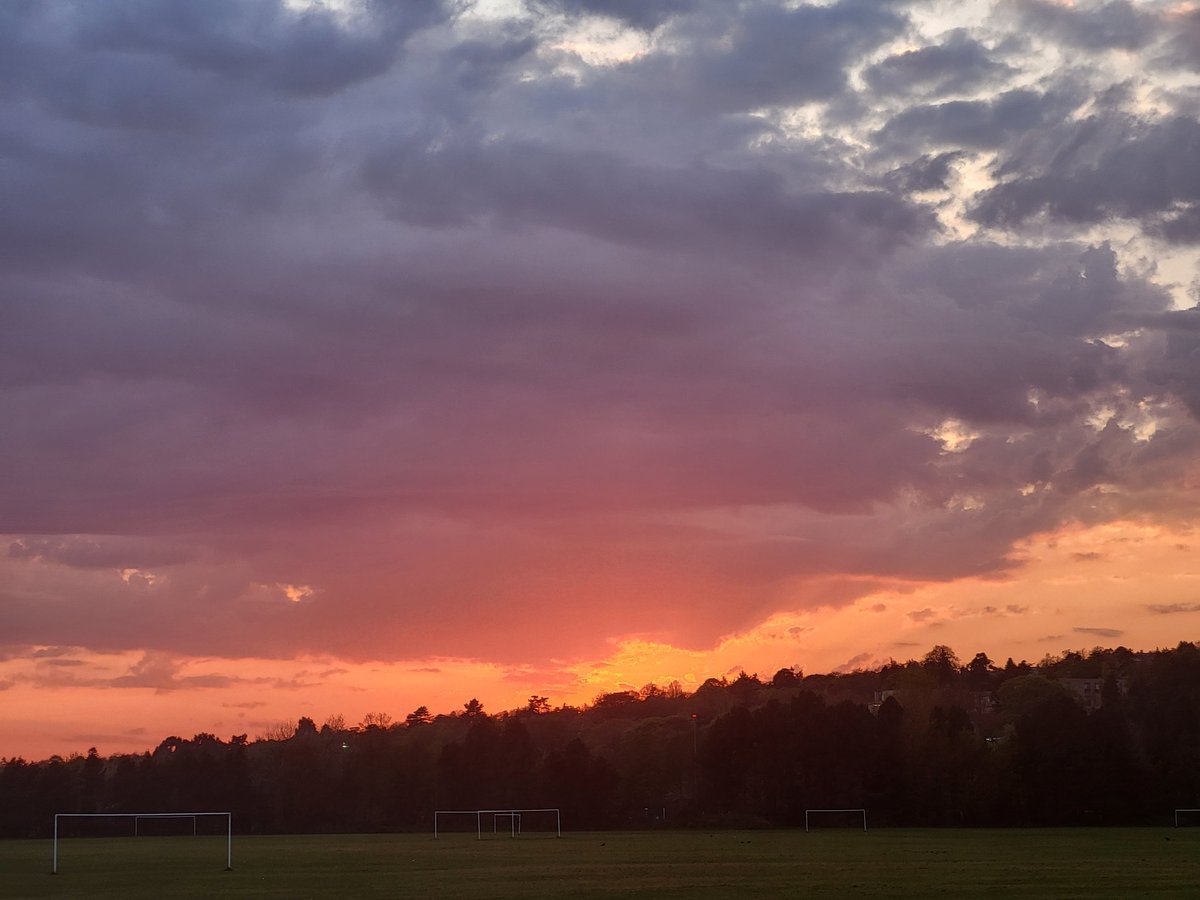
x=891, y=863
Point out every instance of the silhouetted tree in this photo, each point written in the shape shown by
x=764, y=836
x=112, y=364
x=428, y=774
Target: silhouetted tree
x=375, y=720
x=978, y=672
x=745, y=688
x=942, y=663
x=786, y=678
x=930, y=754
x=419, y=716
x=473, y=708
x=581, y=785
x=618, y=704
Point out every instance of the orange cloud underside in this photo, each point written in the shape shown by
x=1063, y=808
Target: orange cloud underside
x=1122, y=583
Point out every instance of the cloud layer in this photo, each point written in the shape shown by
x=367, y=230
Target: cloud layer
x=408, y=330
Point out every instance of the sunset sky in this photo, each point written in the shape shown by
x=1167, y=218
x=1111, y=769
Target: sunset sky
x=356, y=356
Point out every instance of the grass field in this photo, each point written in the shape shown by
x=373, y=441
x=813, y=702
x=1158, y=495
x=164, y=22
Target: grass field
x=1084, y=863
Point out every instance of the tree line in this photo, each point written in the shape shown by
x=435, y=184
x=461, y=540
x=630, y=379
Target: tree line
x=1107, y=736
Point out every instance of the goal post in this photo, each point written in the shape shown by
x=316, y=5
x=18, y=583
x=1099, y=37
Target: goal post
x=514, y=822
x=855, y=812
x=137, y=817
x=516, y=817
x=1191, y=815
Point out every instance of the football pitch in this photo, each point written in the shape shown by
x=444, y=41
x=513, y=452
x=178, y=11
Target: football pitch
x=1084, y=863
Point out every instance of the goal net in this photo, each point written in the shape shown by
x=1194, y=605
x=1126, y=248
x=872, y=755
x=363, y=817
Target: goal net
x=835, y=818
x=498, y=822
x=1187, y=817
x=216, y=828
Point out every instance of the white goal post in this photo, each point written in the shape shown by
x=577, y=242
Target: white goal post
x=137, y=817
x=515, y=815
x=1183, y=810
x=860, y=810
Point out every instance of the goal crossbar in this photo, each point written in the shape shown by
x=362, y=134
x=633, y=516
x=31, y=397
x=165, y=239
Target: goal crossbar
x=149, y=815
x=1183, y=810
x=480, y=813
x=859, y=810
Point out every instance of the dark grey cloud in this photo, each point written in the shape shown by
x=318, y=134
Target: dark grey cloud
x=1178, y=368
x=1115, y=25
x=647, y=14
x=926, y=173
x=1011, y=609
x=1110, y=633
x=741, y=57
x=974, y=124
x=63, y=663
x=517, y=184
x=1013, y=321
x=1103, y=170
x=1183, y=46
x=53, y=652
x=959, y=64
x=317, y=51
x=478, y=65
x=1167, y=609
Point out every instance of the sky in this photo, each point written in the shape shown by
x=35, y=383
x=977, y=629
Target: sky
x=359, y=356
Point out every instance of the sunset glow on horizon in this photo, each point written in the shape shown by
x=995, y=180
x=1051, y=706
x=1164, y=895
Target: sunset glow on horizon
x=1140, y=581
x=356, y=357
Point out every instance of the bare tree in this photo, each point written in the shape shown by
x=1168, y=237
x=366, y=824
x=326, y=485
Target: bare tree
x=375, y=720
